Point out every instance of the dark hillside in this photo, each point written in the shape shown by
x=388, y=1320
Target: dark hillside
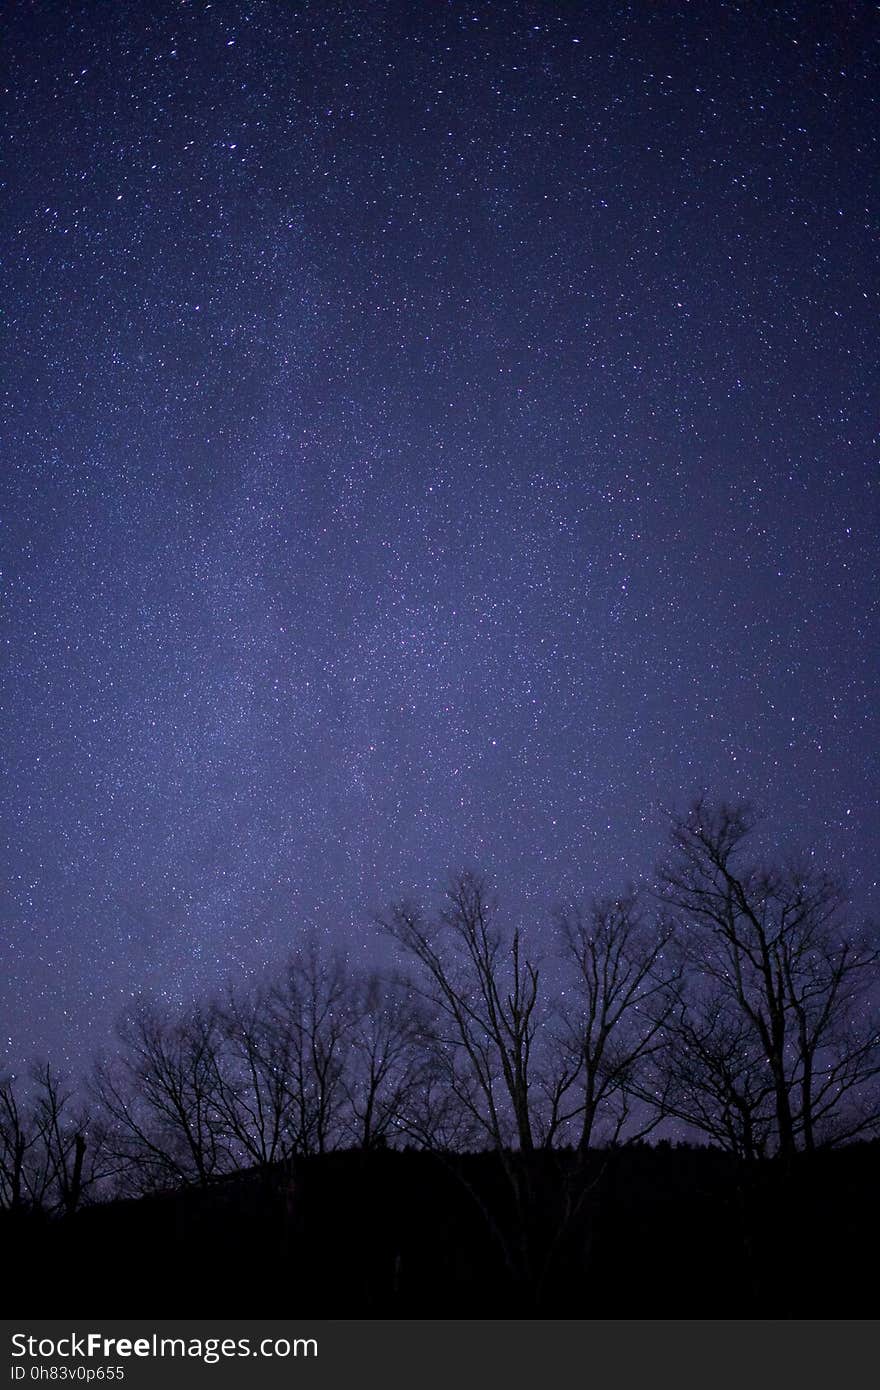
x=663, y=1231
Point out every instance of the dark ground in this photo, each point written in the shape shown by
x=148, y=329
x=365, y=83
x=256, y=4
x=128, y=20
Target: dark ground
x=640, y=1232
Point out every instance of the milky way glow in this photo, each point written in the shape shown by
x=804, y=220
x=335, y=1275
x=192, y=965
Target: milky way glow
x=435, y=435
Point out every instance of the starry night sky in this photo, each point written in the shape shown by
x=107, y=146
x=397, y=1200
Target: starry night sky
x=434, y=434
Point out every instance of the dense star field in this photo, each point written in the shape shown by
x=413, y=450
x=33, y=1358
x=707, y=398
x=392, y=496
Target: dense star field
x=434, y=434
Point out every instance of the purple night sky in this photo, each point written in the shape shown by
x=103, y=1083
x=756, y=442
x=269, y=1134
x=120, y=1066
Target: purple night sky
x=435, y=434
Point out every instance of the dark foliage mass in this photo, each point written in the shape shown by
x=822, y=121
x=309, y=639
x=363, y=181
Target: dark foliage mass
x=470, y=1137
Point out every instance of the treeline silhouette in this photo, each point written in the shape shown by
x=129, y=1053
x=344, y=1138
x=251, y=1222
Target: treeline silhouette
x=468, y=1136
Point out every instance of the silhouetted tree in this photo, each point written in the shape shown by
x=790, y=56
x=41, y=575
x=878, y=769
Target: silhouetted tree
x=52, y=1153
x=714, y=1073
x=623, y=988
x=161, y=1097
x=435, y=1116
x=17, y=1138
x=72, y=1144
x=484, y=991
x=257, y=1099
x=388, y=1061
x=312, y=1013
x=773, y=948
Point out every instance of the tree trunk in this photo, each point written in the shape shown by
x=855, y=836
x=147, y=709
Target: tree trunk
x=74, y=1191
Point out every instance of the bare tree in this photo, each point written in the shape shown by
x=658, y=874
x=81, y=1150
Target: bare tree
x=831, y=976
x=388, y=1059
x=67, y=1139
x=774, y=945
x=484, y=991
x=256, y=1096
x=52, y=1153
x=624, y=991
x=312, y=1015
x=714, y=1074
x=17, y=1138
x=161, y=1097
x=439, y=1110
